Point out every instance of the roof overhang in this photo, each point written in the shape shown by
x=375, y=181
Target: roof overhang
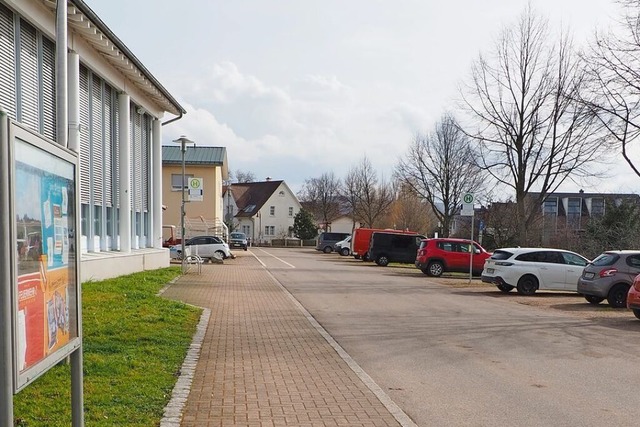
x=95, y=32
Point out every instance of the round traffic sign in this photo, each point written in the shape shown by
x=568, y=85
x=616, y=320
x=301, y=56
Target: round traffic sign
x=195, y=183
x=468, y=198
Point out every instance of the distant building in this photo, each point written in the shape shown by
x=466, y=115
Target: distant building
x=262, y=210
x=208, y=163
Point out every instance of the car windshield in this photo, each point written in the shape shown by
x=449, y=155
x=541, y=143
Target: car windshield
x=238, y=236
x=605, y=259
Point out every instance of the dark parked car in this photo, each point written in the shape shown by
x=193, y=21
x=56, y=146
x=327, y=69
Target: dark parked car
x=326, y=241
x=386, y=247
x=238, y=240
x=609, y=277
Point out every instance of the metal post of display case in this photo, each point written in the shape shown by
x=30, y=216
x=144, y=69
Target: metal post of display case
x=6, y=345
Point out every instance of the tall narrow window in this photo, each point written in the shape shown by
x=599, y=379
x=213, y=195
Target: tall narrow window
x=272, y=210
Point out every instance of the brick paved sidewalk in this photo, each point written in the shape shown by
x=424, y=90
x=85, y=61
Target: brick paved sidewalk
x=262, y=362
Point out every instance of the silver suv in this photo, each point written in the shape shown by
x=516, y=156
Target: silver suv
x=609, y=277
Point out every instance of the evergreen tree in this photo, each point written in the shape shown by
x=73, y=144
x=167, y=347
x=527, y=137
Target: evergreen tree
x=303, y=225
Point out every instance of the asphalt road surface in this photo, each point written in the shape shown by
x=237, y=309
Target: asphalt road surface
x=451, y=357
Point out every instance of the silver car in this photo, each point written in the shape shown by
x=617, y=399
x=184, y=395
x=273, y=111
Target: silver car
x=204, y=246
x=609, y=277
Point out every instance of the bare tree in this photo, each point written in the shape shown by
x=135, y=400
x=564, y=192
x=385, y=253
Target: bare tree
x=368, y=196
x=410, y=212
x=440, y=168
x=532, y=133
x=244, y=177
x=614, y=71
x=321, y=197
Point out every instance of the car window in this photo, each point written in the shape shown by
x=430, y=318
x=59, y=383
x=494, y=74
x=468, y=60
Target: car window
x=424, y=244
x=446, y=246
x=605, y=259
x=237, y=235
x=573, y=259
x=463, y=247
x=551, y=257
x=197, y=241
x=215, y=239
x=400, y=241
x=633, y=261
x=529, y=257
x=501, y=255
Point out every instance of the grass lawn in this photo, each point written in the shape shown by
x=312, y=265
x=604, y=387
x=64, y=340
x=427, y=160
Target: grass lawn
x=134, y=344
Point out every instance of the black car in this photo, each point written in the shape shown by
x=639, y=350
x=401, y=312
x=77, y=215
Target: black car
x=238, y=240
x=386, y=247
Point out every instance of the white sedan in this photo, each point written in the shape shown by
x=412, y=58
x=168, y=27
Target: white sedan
x=531, y=269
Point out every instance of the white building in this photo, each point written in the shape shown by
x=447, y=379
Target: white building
x=110, y=111
x=262, y=210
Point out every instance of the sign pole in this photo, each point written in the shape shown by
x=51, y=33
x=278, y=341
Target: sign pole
x=472, y=250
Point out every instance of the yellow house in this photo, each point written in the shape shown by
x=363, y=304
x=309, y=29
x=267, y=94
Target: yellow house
x=201, y=216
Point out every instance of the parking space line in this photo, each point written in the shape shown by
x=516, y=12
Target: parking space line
x=272, y=255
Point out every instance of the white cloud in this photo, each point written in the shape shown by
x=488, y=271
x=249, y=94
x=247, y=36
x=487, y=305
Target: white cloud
x=312, y=126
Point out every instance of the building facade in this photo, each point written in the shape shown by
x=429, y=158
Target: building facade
x=262, y=210
x=207, y=163
x=80, y=87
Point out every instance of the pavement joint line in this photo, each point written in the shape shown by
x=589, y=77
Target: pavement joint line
x=403, y=419
x=173, y=412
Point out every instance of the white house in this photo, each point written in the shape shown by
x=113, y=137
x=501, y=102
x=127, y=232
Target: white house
x=73, y=82
x=262, y=210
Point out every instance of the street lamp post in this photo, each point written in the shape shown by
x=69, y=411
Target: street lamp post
x=183, y=140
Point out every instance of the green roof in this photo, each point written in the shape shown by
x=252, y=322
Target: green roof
x=215, y=156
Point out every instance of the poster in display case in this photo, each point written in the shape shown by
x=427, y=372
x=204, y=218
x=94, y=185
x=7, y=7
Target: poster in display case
x=45, y=288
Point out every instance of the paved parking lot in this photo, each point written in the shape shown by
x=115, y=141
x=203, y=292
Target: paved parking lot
x=567, y=302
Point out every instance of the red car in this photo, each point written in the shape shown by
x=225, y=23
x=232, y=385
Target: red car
x=633, y=297
x=439, y=255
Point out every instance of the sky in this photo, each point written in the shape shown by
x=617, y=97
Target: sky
x=297, y=88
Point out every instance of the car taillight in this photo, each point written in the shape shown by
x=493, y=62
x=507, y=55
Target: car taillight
x=504, y=263
x=608, y=272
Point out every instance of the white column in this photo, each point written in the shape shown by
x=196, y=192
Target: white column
x=156, y=185
x=124, y=106
x=74, y=101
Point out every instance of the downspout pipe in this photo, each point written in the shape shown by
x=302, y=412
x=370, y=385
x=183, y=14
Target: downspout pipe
x=62, y=103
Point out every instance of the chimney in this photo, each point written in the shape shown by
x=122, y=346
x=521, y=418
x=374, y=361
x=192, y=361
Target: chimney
x=268, y=178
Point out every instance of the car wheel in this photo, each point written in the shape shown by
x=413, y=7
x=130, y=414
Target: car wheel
x=505, y=288
x=617, y=297
x=527, y=285
x=435, y=268
x=382, y=261
x=636, y=313
x=592, y=299
x=327, y=249
x=344, y=251
x=222, y=255
x=245, y=248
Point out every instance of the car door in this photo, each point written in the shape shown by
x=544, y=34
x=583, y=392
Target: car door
x=206, y=247
x=552, y=270
x=462, y=257
x=631, y=267
x=574, y=265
